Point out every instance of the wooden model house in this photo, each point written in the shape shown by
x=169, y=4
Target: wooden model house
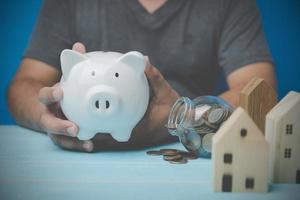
x=240, y=156
x=258, y=98
x=283, y=135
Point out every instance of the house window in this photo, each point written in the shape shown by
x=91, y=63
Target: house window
x=228, y=158
x=249, y=183
x=289, y=129
x=298, y=177
x=243, y=132
x=287, y=152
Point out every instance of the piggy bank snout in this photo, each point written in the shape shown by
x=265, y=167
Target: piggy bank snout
x=103, y=100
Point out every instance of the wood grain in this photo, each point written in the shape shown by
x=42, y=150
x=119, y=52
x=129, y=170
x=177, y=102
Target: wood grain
x=258, y=98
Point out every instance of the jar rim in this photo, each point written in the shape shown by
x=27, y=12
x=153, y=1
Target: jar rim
x=178, y=119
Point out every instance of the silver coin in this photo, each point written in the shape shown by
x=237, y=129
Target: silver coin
x=199, y=122
x=206, y=128
x=211, y=126
x=215, y=116
x=204, y=131
x=191, y=142
x=207, y=142
x=226, y=114
x=205, y=125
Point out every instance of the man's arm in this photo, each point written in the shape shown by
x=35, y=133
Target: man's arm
x=34, y=101
x=23, y=92
x=238, y=79
x=35, y=104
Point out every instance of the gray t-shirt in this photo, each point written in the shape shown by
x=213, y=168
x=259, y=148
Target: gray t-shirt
x=189, y=41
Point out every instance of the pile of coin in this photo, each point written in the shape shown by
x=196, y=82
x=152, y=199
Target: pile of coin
x=173, y=156
x=211, y=120
x=218, y=115
x=197, y=136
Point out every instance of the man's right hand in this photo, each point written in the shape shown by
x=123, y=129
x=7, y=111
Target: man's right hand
x=52, y=121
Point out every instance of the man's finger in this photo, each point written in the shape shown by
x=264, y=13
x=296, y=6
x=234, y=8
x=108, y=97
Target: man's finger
x=79, y=47
x=156, y=80
x=71, y=143
x=54, y=125
x=50, y=95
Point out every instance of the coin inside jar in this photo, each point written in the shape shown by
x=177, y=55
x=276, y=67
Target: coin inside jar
x=215, y=116
x=193, y=119
x=207, y=142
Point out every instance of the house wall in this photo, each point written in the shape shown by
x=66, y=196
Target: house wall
x=253, y=163
x=249, y=159
x=287, y=167
x=272, y=140
x=225, y=146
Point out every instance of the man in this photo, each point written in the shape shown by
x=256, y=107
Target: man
x=187, y=40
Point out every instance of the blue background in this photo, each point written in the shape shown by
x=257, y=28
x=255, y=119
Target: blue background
x=281, y=21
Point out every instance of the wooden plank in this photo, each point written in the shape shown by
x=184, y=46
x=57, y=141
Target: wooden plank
x=34, y=168
x=258, y=98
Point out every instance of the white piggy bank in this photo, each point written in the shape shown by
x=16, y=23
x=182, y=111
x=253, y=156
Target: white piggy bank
x=104, y=92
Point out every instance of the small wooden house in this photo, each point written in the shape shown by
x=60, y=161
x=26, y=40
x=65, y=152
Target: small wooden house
x=283, y=134
x=240, y=156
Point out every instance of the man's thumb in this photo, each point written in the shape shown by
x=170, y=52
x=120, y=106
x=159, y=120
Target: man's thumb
x=79, y=47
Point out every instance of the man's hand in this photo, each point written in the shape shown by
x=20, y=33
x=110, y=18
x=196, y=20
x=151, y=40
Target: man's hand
x=150, y=130
x=52, y=121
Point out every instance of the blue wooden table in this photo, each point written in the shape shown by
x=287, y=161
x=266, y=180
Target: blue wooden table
x=31, y=167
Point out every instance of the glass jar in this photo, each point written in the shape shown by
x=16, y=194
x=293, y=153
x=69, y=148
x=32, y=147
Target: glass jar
x=196, y=121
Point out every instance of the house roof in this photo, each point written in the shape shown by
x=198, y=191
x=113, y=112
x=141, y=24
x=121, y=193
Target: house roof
x=285, y=105
x=258, y=98
x=238, y=120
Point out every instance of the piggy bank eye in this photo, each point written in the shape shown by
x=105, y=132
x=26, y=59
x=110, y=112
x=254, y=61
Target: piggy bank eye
x=93, y=73
x=117, y=74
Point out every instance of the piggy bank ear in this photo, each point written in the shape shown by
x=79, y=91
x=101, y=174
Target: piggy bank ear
x=135, y=60
x=68, y=59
